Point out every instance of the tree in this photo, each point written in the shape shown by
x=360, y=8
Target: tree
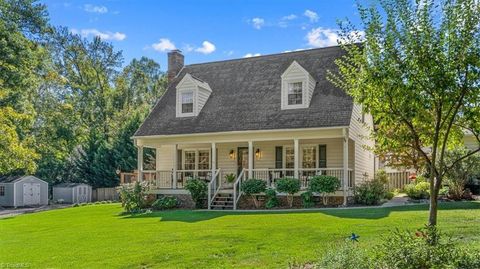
x=21, y=66
x=462, y=172
x=417, y=73
x=324, y=185
x=290, y=186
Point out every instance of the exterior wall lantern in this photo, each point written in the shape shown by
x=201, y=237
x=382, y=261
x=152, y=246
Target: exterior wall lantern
x=232, y=154
x=258, y=154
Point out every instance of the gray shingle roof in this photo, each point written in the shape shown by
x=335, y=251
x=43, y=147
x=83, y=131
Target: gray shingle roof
x=246, y=96
x=9, y=179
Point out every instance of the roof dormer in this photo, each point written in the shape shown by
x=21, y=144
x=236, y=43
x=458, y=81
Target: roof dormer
x=192, y=94
x=297, y=87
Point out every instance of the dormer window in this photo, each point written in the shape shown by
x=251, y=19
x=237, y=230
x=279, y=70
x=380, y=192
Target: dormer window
x=295, y=93
x=297, y=87
x=187, y=102
x=192, y=95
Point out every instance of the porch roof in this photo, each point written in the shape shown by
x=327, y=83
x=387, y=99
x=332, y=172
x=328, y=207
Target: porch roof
x=246, y=96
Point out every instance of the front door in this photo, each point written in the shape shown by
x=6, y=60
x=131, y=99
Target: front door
x=242, y=160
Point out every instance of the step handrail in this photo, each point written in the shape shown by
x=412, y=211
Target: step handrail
x=213, y=185
x=236, y=189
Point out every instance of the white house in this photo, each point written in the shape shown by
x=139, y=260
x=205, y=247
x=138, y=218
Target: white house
x=263, y=117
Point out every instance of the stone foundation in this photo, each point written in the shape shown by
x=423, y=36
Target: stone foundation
x=185, y=200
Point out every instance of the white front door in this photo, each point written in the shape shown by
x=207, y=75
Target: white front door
x=31, y=193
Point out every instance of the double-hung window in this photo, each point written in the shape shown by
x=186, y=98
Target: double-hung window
x=187, y=102
x=295, y=93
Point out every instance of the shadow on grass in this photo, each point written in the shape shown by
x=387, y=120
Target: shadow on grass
x=190, y=216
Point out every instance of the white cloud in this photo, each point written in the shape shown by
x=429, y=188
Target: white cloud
x=325, y=37
x=95, y=9
x=289, y=17
x=164, y=45
x=312, y=15
x=206, y=48
x=258, y=23
x=117, y=36
x=248, y=55
x=229, y=52
x=187, y=48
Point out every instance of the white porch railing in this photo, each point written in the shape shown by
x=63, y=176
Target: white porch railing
x=163, y=179
x=213, y=187
x=237, y=188
x=305, y=174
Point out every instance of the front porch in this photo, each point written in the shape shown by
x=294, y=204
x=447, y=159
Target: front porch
x=268, y=159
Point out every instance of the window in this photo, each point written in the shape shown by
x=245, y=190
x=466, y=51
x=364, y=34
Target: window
x=295, y=93
x=187, y=102
x=289, y=158
x=309, y=159
x=189, y=160
x=203, y=159
x=2, y=190
x=322, y=156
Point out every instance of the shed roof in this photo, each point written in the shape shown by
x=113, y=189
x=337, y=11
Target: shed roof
x=69, y=185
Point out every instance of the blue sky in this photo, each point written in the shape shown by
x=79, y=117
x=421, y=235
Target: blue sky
x=206, y=30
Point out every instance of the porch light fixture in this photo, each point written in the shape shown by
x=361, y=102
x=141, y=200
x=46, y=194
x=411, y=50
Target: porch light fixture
x=232, y=154
x=258, y=154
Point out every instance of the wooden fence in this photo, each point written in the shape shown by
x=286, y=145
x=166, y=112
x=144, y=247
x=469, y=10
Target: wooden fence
x=104, y=194
x=398, y=180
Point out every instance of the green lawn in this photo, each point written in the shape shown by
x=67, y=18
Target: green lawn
x=98, y=236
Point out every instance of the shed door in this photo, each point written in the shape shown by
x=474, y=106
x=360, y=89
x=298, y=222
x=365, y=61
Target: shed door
x=82, y=194
x=31, y=193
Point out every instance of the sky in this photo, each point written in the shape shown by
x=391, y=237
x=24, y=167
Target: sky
x=207, y=30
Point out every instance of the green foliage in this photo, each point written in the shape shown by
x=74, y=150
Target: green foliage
x=417, y=191
x=253, y=187
x=425, y=248
x=165, y=202
x=133, y=196
x=307, y=199
x=389, y=195
x=417, y=73
x=272, y=200
x=199, y=191
x=324, y=185
x=370, y=192
x=290, y=186
x=444, y=191
x=461, y=172
x=230, y=178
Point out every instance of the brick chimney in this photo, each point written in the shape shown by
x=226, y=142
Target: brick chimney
x=175, y=63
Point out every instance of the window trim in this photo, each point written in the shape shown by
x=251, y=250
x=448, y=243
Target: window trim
x=185, y=92
x=285, y=88
x=288, y=93
x=197, y=157
x=300, y=157
x=179, y=102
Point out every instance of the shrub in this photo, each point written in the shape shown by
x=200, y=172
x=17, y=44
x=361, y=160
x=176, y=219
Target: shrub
x=165, y=202
x=444, y=191
x=272, y=200
x=389, y=195
x=425, y=248
x=198, y=190
x=307, y=199
x=253, y=187
x=417, y=191
x=290, y=186
x=324, y=185
x=133, y=196
x=370, y=192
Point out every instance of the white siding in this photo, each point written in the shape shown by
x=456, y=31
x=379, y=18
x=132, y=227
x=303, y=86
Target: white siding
x=202, y=98
x=359, y=132
x=164, y=157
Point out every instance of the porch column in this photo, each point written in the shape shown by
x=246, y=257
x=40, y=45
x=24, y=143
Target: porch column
x=345, y=165
x=140, y=163
x=296, y=152
x=250, y=159
x=214, y=159
x=175, y=165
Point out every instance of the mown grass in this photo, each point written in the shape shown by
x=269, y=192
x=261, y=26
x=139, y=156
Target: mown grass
x=99, y=236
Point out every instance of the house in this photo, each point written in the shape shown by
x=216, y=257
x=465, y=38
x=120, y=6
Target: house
x=263, y=117
x=18, y=191
x=72, y=193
